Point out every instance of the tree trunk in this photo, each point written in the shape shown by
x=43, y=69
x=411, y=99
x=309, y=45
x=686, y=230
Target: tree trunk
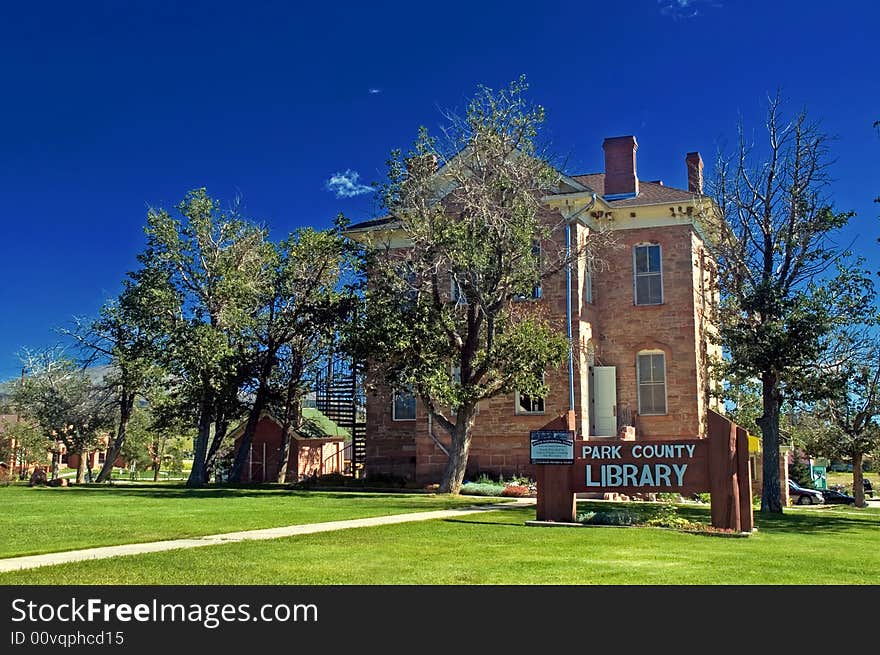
x=292, y=413
x=241, y=454
x=126, y=405
x=81, y=468
x=284, y=453
x=221, y=427
x=157, y=458
x=56, y=461
x=456, y=466
x=771, y=496
x=858, y=480
x=198, y=474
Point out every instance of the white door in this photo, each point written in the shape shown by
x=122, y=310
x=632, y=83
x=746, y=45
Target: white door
x=603, y=394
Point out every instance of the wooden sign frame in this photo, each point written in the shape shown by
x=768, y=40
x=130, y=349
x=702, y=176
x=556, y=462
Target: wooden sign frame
x=718, y=464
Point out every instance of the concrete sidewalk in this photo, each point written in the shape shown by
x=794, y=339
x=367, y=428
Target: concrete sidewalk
x=50, y=559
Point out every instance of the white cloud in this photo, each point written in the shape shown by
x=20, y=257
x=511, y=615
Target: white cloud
x=373, y=90
x=346, y=185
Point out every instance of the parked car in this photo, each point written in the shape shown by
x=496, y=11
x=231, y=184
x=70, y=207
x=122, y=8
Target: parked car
x=803, y=496
x=832, y=496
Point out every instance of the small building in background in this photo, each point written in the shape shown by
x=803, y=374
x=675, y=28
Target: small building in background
x=318, y=447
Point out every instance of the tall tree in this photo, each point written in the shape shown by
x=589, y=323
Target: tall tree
x=171, y=429
x=28, y=444
x=303, y=307
x=127, y=336
x=776, y=255
x=59, y=397
x=846, y=423
x=471, y=209
x=136, y=449
x=212, y=264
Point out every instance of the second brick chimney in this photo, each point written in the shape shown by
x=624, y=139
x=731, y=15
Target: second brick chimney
x=620, y=166
x=695, y=172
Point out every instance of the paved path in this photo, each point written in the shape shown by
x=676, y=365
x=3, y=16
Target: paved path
x=49, y=559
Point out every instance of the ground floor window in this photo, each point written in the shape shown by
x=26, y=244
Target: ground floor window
x=651, y=370
x=526, y=404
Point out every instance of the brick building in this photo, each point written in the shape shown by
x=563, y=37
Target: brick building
x=640, y=330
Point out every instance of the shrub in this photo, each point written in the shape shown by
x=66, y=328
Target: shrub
x=668, y=517
x=385, y=480
x=516, y=491
x=376, y=481
x=332, y=480
x=608, y=517
x=799, y=470
x=665, y=497
x=481, y=489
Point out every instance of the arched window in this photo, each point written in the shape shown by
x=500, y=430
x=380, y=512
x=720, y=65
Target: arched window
x=651, y=374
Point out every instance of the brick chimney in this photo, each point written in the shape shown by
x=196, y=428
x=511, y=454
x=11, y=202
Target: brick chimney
x=695, y=172
x=620, y=165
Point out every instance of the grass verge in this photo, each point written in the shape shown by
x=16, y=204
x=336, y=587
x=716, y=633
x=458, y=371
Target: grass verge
x=827, y=546
x=44, y=520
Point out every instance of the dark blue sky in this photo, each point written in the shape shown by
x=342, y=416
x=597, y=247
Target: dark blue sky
x=107, y=108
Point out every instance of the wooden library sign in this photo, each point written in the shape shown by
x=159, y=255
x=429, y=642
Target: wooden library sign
x=718, y=464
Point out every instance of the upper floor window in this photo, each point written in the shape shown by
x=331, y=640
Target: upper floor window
x=408, y=282
x=651, y=371
x=537, y=292
x=403, y=406
x=648, y=275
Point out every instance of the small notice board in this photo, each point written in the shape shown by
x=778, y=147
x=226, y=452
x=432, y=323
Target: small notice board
x=552, y=446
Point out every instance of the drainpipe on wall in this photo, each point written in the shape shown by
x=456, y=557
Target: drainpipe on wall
x=568, y=311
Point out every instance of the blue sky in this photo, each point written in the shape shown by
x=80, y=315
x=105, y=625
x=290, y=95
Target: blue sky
x=109, y=108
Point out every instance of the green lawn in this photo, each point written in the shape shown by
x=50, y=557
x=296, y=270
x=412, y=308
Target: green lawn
x=43, y=520
x=804, y=546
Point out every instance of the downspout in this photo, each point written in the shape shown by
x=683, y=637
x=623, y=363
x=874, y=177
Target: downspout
x=568, y=311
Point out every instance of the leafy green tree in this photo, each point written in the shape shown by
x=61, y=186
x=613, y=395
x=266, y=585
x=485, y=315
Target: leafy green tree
x=473, y=217
x=27, y=444
x=127, y=336
x=301, y=310
x=210, y=269
x=59, y=397
x=137, y=449
x=174, y=451
x=846, y=423
x=774, y=247
x=172, y=431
